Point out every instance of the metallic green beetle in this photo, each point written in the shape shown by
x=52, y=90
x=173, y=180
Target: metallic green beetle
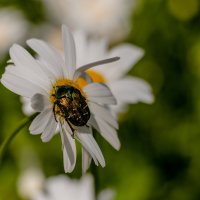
x=71, y=105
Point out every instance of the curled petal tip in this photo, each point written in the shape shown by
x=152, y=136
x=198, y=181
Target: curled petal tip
x=116, y=58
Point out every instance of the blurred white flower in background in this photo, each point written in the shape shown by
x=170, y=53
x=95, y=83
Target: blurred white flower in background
x=106, y=194
x=126, y=89
x=13, y=28
x=32, y=185
x=62, y=188
x=30, y=182
x=105, y=18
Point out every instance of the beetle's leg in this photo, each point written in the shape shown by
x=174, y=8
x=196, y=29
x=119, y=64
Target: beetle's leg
x=73, y=131
x=54, y=112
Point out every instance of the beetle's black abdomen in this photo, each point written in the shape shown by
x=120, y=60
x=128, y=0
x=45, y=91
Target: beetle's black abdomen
x=80, y=115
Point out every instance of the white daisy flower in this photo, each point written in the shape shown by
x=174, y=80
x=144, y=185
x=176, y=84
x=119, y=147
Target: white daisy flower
x=127, y=89
x=62, y=187
x=56, y=91
x=30, y=182
x=105, y=18
x=13, y=28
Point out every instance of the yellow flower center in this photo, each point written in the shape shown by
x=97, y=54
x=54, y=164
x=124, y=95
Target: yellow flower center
x=79, y=84
x=82, y=82
x=96, y=76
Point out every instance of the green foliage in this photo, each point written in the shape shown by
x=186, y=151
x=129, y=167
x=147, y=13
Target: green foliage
x=160, y=154
x=32, y=9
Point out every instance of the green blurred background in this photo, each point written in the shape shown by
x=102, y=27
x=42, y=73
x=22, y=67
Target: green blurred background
x=160, y=154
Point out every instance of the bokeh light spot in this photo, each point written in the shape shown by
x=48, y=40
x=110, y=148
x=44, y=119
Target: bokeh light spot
x=183, y=10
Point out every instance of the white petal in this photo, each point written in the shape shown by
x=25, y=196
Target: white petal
x=88, y=50
x=103, y=100
x=80, y=38
x=103, y=113
x=68, y=129
x=39, y=102
x=92, y=122
x=108, y=132
x=24, y=73
x=50, y=129
x=99, y=93
x=48, y=70
x=40, y=122
x=85, y=137
x=86, y=160
x=132, y=90
x=93, y=64
x=129, y=56
x=106, y=194
x=69, y=51
x=26, y=106
x=49, y=55
x=28, y=65
x=97, y=49
x=20, y=86
x=69, y=149
x=97, y=89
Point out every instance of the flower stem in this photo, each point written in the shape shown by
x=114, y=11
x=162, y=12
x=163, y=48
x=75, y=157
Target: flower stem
x=8, y=140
